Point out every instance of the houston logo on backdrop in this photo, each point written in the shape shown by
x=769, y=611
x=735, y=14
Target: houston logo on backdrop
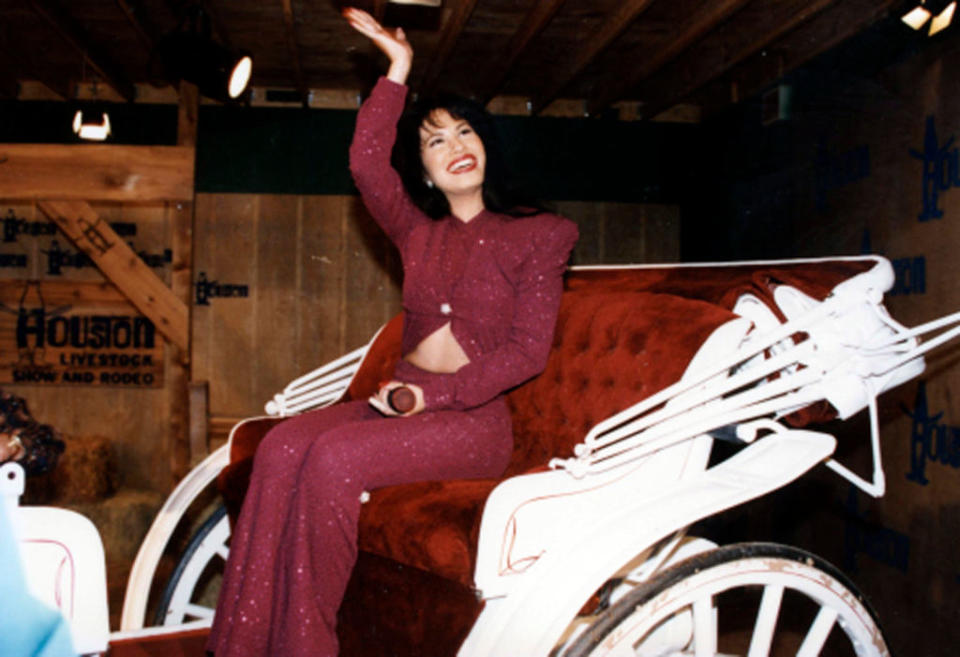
x=941, y=169
x=67, y=345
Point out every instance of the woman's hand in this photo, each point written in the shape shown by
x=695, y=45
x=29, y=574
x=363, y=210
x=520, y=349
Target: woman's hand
x=393, y=42
x=381, y=400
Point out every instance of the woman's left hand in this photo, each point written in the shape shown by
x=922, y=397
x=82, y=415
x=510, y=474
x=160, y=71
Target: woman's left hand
x=381, y=401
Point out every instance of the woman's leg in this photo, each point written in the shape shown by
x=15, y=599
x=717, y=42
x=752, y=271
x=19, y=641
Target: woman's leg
x=320, y=537
x=243, y=617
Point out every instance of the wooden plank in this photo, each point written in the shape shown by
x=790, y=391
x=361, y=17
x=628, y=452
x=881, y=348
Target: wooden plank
x=96, y=172
x=370, y=261
x=184, y=450
x=201, y=332
x=199, y=421
x=273, y=360
x=455, y=21
x=694, y=29
x=536, y=19
x=321, y=281
x=70, y=293
x=21, y=70
x=230, y=338
x=122, y=266
x=678, y=88
x=74, y=34
x=615, y=25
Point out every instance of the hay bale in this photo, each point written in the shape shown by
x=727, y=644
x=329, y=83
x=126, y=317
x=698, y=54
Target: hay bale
x=86, y=472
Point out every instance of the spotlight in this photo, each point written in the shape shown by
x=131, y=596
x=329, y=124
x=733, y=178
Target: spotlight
x=217, y=72
x=192, y=55
x=941, y=11
x=91, y=127
x=942, y=20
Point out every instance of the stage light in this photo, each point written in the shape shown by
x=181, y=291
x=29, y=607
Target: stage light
x=941, y=11
x=217, y=72
x=92, y=128
x=942, y=20
x=916, y=17
x=190, y=53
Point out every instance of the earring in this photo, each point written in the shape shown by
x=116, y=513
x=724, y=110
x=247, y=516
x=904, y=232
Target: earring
x=428, y=182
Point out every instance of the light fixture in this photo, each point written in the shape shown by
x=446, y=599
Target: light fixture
x=191, y=54
x=941, y=11
x=92, y=128
x=942, y=20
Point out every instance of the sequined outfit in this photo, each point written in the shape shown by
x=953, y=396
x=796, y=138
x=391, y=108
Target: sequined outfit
x=497, y=280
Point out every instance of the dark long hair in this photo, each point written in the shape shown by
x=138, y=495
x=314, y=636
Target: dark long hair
x=500, y=194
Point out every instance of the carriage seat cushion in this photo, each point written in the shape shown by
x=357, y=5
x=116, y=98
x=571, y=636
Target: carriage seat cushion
x=610, y=350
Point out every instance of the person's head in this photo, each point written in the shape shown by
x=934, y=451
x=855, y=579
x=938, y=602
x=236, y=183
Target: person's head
x=448, y=144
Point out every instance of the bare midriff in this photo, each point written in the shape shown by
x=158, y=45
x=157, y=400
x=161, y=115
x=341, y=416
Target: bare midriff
x=439, y=352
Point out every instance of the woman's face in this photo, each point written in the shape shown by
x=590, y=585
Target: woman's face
x=453, y=156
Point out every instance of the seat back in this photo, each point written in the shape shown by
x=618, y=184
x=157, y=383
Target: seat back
x=63, y=563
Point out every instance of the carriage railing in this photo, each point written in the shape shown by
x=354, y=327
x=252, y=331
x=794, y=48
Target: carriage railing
x=322, y=386
x=845, y=350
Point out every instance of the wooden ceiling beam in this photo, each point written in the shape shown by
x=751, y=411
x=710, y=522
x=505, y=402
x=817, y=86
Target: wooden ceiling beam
x=533, y=24
x=289, y=25
x=145, y=32
x=455, y=21
x=20, y=70
x=824, y=32
x=76, y=36
x=615, y=25
x=210, y=9
x=679, y=87
x=692, y=31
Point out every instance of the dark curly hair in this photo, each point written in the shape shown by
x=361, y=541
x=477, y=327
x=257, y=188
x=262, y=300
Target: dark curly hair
x=41, y=442
x=499, y=192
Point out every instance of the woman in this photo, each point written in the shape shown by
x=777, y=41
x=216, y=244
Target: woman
x=481, y=292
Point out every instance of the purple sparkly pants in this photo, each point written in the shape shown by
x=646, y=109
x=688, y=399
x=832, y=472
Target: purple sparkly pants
x=295, y=542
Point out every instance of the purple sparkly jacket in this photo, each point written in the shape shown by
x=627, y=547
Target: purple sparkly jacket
x=496, y=279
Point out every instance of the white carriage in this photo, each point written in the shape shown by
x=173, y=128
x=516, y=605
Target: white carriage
x=591, y=555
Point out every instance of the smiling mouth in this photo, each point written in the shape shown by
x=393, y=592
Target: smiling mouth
x=462, y=164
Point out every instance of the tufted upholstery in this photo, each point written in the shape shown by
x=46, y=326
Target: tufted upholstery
x=622, y=334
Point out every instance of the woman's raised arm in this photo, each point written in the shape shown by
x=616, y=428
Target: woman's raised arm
x=392, y=42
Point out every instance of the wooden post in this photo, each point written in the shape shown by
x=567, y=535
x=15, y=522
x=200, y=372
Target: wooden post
x=182, y=452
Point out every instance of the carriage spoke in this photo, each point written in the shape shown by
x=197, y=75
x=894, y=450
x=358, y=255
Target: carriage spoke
x=704, y=628
x=819, y=631
x=766, y=621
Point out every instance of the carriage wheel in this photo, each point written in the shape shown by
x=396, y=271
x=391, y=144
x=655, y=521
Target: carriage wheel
x=190, y=593
x=754, y=599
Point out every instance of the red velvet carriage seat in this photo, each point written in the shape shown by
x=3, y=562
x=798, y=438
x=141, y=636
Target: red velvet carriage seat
x=622, y=334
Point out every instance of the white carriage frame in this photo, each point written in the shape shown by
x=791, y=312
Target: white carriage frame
x=539, y=557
